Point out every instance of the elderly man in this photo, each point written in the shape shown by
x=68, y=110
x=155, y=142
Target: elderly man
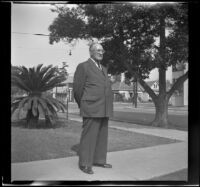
x=93, y=94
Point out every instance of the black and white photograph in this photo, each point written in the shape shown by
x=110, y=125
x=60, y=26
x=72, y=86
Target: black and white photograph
x=99, y=92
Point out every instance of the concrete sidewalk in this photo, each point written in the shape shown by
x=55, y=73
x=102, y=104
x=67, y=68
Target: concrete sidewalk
x=132, y=165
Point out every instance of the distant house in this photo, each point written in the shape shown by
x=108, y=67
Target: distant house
x=180, y=96
x=124, y=92
x=154, y=85
x=65, y=92
x=120, y=89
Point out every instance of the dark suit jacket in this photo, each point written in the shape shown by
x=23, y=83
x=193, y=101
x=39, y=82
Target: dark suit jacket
x=92, y=90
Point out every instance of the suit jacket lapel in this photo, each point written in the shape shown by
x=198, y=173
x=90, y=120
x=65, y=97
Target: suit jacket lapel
x=95, y=68
x=104, y=71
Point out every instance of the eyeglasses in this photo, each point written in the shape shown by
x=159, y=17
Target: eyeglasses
x=100, y=51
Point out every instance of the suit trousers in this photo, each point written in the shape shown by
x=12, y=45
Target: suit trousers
x=93, y=141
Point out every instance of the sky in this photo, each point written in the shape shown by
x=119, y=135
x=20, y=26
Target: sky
x=30, y=50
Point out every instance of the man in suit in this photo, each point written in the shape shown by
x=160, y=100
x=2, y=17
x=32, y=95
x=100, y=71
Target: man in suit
x=93, y=94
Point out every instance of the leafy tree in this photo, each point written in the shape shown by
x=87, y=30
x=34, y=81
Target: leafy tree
x=36, y=81
x=128, y=33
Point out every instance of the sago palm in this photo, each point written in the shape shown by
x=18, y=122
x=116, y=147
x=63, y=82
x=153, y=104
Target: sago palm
x=36, y=81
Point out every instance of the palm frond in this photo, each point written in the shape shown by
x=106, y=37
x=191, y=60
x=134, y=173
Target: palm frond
x=41, y=100
x=35, y=106
x=24, y=74
x=13, y=109
x=34, y=81
x=14, y=106
x=29, y=103
x=18, y=82
x=48, y=106
x=22, y=103
x=54, y=82
x=41, y=74
x=52, y=110
x=49, y=74
x=62, y=106
x=50, y=103
x=18, y=99
x=44, y=70
x=38, y=68
x=53, y=103
x=48, y=111
x=41, y=109
x=15, y=102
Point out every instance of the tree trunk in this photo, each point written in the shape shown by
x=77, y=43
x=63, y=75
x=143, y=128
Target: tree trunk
x=161, y=102
x=31, y=120
x=135, y=99
x=161, y=116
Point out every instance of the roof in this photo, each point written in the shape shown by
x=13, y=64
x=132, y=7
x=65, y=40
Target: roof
x=168, y=84
x=150, y=83
x=121, y=86
x=124, y=87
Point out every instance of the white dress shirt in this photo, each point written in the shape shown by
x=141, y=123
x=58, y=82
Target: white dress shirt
x=96, y=63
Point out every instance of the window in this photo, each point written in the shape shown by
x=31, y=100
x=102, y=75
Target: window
x=155, y=86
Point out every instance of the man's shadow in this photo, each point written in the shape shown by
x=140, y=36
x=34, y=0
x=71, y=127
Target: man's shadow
x=75, y=148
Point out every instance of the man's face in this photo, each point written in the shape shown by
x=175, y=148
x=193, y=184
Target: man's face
x=97, y=52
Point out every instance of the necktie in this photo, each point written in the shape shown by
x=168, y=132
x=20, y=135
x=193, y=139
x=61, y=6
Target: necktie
x=98, y=63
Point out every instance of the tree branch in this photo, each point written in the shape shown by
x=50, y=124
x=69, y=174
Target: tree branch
x=141, y=81
x=178, y=83
x=148, y=89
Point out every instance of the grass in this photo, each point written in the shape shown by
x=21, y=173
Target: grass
x=62, y=141
x=176, y=121
x=181, y=175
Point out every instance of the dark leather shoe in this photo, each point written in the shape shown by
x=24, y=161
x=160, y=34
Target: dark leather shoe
x=103, y=165
x=86, y=169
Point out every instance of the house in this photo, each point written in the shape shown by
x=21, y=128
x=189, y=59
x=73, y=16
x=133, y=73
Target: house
x=180, y=97
x=65, y=92
x=124, y=92
x=154, y=85
x=127, y=91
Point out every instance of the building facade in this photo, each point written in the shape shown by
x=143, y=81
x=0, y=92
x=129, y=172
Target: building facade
x=65, y=93
x=180, y=96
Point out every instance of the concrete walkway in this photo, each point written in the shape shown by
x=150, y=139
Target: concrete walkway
x=132, y=165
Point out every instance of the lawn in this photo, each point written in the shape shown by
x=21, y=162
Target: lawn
x=62, y=141
x=176, y=121
x=181, y=175
x=179, y=122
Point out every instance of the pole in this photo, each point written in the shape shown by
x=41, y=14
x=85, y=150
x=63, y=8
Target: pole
x=133, y=97
x=67, y=104
x=67, y=110
x=136, y=94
